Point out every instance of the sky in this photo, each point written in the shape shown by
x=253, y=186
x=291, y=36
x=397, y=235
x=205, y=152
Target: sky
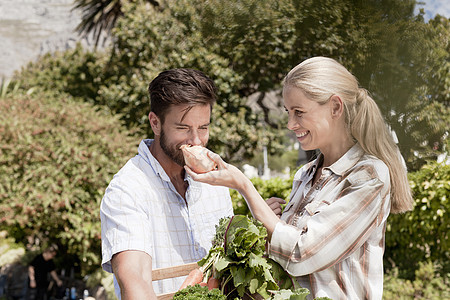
x=433, y=7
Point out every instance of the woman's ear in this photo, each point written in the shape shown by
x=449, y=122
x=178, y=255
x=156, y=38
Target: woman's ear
x=155, y=123
x=337, y=106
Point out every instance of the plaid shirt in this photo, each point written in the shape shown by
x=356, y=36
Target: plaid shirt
x=331, y=234
x=141, y=210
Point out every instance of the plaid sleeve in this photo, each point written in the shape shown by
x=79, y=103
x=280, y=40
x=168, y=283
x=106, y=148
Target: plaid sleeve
x=334, y=228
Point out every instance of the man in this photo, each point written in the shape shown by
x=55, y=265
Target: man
x=152, y=214
x=38, y=271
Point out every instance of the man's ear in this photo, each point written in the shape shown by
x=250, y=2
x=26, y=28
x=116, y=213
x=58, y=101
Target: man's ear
x=155, y=123
x=337, y=106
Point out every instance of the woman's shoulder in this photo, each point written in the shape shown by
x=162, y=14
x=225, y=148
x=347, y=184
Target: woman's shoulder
x=371, y=167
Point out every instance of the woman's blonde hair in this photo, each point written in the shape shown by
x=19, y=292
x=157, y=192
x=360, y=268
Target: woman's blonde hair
x=320, y=78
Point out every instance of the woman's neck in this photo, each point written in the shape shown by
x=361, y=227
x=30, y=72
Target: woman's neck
x=335, y=152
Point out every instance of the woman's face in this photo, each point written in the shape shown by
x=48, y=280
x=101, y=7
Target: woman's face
x=310, y=121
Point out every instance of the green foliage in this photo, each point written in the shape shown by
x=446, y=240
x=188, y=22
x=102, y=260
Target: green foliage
x=57, y=156
x=405, y=76
x=277, y=162
x=75, y=71
x=422, y=234
x=144, y=47
x=198, y=292
x=382, y=44
x=5, y=89
x=279, y=35
x=275, y=187
x=99, y=277
x=237, y=260
x=428, y=284
x=291, y=295
x=10, y=252
x=431, y=110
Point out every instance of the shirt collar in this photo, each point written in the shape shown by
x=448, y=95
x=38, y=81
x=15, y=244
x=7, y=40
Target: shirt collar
x=348, y=160
x=315, y=164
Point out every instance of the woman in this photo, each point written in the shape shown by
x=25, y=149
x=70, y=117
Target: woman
x=331, y=233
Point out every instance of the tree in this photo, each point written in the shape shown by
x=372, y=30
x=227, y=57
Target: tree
x=401, y=70
x=100, y=16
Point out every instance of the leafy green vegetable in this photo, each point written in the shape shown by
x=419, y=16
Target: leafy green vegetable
x=198, y=292
x=237, y=259
x=299, y=294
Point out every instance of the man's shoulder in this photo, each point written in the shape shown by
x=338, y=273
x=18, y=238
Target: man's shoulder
x=135, y=169
x=131, y=179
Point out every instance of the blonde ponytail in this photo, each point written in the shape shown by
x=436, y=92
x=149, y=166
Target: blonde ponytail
x=320, y=78
x=370, y=130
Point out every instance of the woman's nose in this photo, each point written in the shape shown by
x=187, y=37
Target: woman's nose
x=292, y=123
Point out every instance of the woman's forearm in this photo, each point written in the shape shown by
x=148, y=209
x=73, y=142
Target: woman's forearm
x=258, y=206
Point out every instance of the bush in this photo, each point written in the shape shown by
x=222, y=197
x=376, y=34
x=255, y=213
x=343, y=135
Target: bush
x=422, y=234
x=275, y=187
x=76, y=72
x=428, y=284
x=57, y=156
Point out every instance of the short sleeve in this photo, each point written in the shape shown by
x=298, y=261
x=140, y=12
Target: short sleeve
x=124, y=223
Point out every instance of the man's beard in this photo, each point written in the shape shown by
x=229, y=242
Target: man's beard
x=172, y=151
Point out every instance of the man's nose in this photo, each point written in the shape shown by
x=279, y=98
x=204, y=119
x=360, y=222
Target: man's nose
x=194, y=138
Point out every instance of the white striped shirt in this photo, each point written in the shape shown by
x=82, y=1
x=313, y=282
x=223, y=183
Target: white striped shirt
x=331, y=234
x=141, y=210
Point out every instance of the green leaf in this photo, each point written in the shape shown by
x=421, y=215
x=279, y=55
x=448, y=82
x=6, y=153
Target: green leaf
x=222, y=263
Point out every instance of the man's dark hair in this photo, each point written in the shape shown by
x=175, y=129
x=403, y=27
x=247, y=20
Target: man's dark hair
x=180, y=86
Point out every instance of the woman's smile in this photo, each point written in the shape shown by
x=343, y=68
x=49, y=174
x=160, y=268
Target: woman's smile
x=301, y=135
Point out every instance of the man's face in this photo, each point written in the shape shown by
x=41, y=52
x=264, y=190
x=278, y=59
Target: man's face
x=184, y=125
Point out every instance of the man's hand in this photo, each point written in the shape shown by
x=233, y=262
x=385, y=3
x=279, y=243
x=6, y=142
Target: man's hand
x=133, y=271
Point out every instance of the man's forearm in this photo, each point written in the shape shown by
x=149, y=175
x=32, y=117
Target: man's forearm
x=56, y=278
x=31, y=276
x=138, y=289
x=133, y=271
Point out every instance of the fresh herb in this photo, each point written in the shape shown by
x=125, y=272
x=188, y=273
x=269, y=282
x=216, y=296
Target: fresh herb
x=198, y=292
